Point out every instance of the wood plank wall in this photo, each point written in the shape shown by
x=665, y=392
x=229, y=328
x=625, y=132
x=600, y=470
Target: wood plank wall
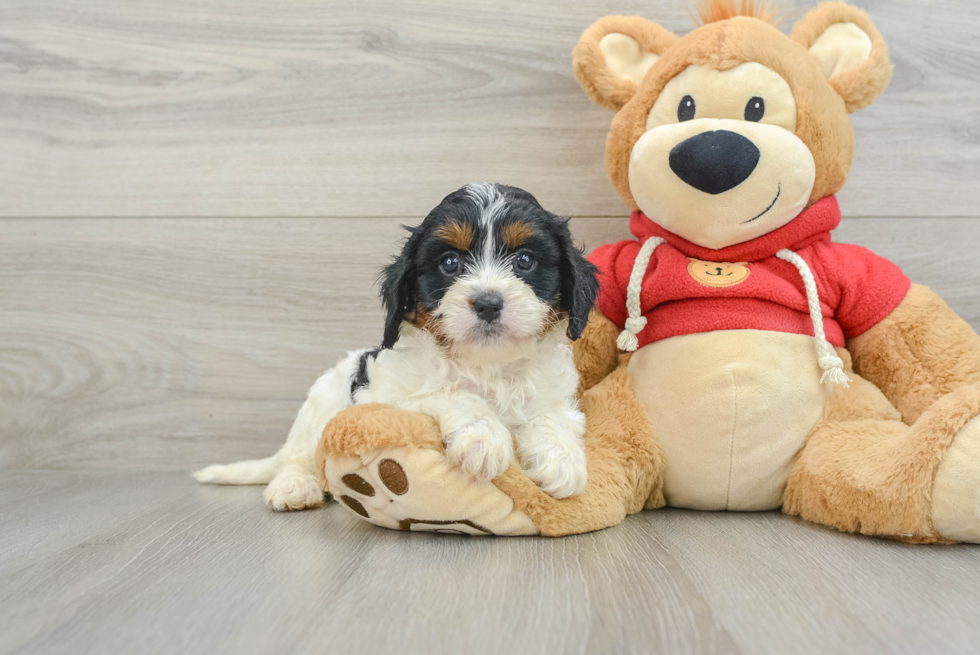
x=196, y=195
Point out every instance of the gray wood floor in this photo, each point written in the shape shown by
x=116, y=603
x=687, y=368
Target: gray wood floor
x=153, y=563
x=195, y=197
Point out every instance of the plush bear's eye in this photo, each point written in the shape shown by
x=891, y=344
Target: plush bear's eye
x=755, y=109
x=685, y=110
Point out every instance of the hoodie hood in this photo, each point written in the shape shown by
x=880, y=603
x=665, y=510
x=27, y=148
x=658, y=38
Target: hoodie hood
x=795, y=279
x=811, y=225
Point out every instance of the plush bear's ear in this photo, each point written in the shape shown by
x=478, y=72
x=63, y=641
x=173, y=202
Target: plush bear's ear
x=614, y=54
x=850, y=51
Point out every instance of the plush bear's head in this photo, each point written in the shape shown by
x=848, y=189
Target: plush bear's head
x=731, y=131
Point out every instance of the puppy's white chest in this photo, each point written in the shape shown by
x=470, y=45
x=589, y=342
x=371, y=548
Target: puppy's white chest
x=508, y=395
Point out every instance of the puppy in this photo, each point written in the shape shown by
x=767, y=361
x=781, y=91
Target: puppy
x=480, y=307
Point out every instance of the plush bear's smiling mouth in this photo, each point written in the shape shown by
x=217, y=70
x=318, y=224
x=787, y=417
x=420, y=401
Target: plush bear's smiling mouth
x=776, y=191
x=779, y=189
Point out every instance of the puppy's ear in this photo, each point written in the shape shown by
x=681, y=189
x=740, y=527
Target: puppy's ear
x=579, y=282
x=398, y=284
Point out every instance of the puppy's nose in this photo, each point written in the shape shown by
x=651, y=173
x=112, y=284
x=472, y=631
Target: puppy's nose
x=714, y=162
x=488, y=307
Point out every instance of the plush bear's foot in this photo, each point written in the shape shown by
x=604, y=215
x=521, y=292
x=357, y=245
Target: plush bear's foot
x=390, y=467
x=956, y=496
x=293, y=490
x=417, y=489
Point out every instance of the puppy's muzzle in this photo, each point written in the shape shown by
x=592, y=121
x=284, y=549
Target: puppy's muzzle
x=487, y=307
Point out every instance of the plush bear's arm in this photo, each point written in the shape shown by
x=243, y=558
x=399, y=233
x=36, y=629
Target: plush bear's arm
x=596, y=354
x=919, y=353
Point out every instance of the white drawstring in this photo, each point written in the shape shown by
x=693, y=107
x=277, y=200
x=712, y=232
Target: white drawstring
x=830, y=363
x=627, y=340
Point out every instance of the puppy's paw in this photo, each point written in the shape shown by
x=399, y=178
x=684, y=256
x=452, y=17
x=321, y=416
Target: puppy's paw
x=290, y=491
x=481, y=447
x=557, y=466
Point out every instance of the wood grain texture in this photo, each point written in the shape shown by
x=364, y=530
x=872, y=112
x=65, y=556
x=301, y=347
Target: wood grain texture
x=168, y=343
x=174, y=343
x=154, y=563
x=313, y=108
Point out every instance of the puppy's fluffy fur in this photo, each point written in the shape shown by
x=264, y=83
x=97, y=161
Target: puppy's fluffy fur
x=480, y=307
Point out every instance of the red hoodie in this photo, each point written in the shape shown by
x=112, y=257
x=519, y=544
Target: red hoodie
x=683, y=293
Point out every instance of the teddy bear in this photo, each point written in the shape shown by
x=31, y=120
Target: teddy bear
x=738, y=358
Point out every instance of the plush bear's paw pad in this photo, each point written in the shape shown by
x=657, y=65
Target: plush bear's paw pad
x=420, y=490
x=956, y=495
x=558, y=468
x=293, y=491
x=482, y=448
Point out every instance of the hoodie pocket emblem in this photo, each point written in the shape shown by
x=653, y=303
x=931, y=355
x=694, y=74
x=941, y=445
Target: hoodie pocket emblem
x=718, y=274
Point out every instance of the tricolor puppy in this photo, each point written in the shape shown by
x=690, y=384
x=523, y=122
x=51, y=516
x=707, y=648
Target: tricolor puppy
x=480, y=307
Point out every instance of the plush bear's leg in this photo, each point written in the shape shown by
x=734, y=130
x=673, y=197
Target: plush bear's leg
x=388, y=466
x=625, y=466
x=864, y=470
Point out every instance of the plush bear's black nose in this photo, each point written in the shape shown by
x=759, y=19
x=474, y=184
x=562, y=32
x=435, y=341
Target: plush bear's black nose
x=714, y=162
x=488, y=307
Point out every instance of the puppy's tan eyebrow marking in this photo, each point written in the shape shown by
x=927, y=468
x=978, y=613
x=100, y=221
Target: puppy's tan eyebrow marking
x=515, y=234
x=456, y=234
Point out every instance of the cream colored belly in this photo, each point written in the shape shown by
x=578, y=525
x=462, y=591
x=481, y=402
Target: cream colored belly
x=731, y=409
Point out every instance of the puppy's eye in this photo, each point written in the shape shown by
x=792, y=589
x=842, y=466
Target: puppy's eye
x=685, y=110
x=755, y=109
x=449, y=264
x=524, y=262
